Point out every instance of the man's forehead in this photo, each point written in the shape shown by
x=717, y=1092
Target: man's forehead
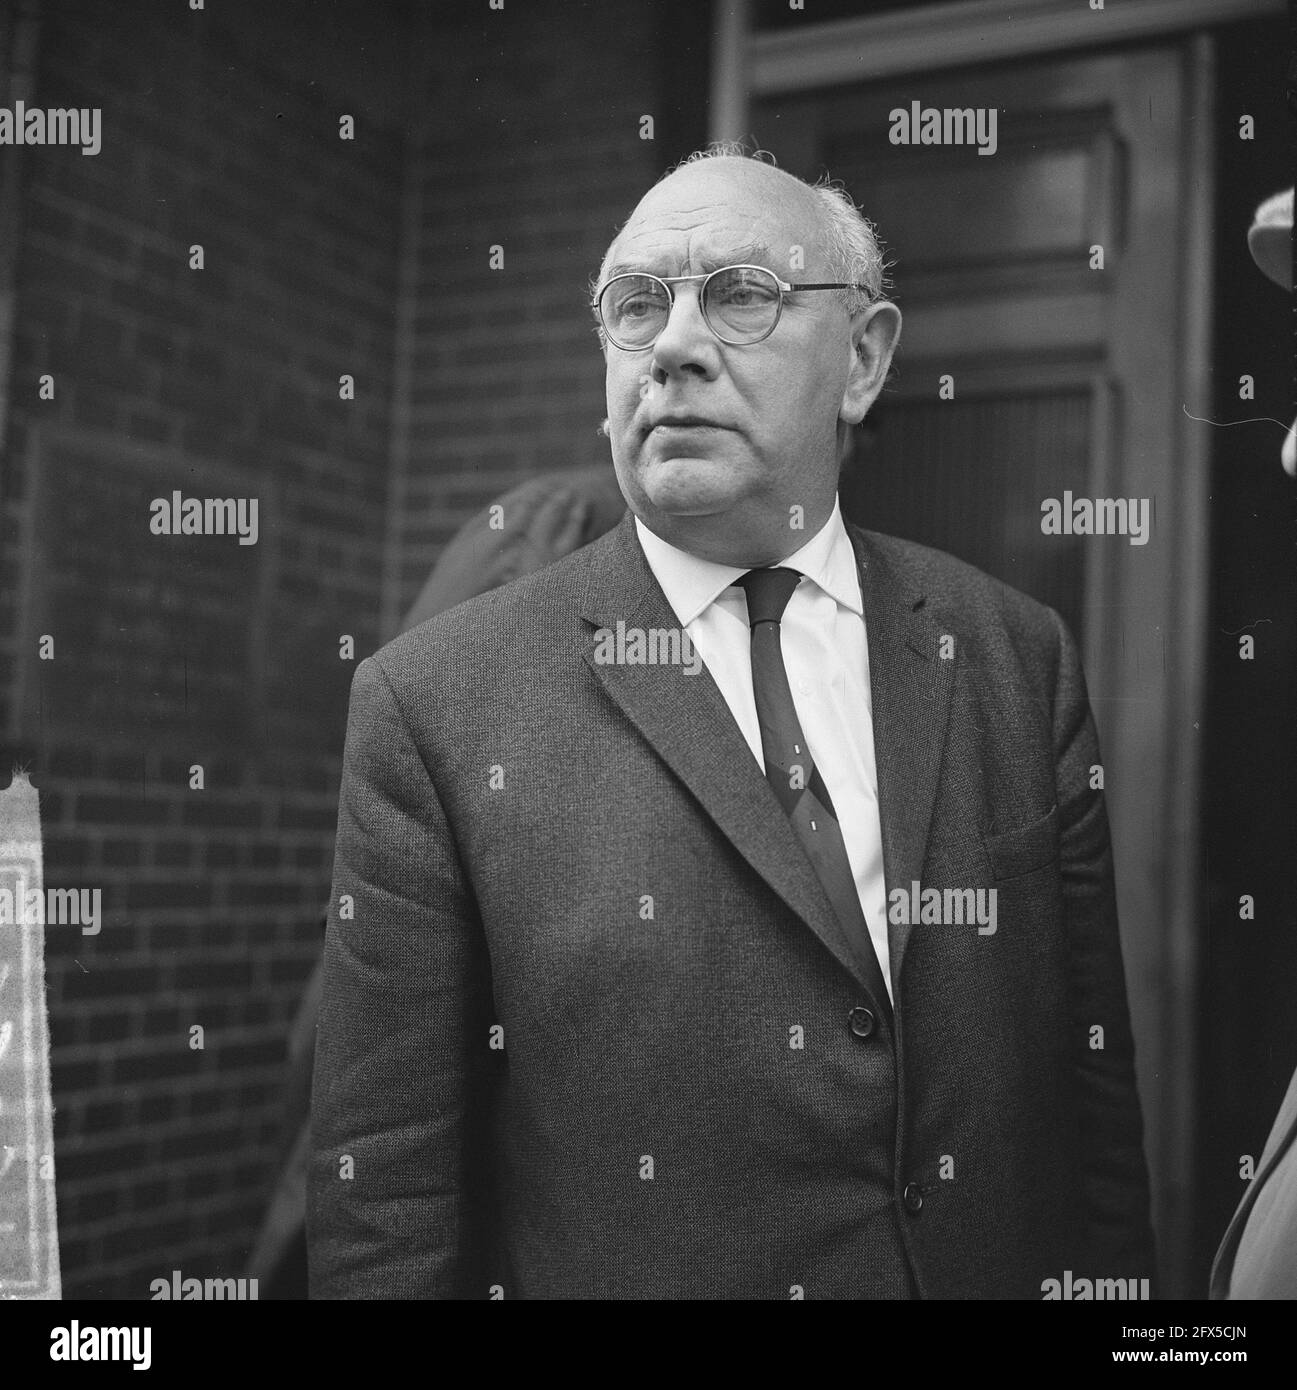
x=701, y=217
x=673, y=255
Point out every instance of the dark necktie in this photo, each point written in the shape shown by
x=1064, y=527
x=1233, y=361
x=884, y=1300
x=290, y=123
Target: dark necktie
x=791, y=771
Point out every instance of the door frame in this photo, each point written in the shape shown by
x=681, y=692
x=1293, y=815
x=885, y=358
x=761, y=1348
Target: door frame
x=1162, y=884
x=747, y=63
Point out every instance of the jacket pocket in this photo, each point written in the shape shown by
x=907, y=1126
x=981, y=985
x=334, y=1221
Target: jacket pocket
x=1018, y=852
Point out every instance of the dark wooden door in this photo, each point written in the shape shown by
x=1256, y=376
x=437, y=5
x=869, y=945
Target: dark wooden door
x=1040, y=286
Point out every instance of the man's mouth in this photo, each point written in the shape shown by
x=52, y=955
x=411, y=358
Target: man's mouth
x=684, y=422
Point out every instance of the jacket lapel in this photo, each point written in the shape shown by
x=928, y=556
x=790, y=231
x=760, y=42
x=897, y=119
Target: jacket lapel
x=910, y=687
x=687, y=722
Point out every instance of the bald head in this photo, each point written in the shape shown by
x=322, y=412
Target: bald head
x=804, y=232
x=757, y=205
x=729, y=449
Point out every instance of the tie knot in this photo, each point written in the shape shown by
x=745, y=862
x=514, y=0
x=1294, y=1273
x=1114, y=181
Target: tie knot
x=768, y=593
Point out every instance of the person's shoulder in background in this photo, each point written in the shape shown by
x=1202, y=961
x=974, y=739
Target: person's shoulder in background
x=508, y=648
x=530, y=526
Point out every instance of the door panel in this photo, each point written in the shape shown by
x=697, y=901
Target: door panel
x=1066, y=377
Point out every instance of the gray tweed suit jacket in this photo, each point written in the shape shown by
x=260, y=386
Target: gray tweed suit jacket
x=587, y=1026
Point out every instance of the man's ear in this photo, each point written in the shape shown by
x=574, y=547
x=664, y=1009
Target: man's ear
x=874, y=334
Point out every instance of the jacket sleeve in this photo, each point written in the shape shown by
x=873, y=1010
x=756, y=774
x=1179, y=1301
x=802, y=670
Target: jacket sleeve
x=1114, y=1175
x=398, y=1187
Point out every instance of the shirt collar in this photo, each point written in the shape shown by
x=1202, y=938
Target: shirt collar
x=691, y=583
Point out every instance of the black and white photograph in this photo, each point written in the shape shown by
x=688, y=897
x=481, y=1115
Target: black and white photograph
x=648, y=652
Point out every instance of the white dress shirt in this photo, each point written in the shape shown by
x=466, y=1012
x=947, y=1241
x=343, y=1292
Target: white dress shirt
x=822, y=635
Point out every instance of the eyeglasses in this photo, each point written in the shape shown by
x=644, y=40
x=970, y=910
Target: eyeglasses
x=741, y=304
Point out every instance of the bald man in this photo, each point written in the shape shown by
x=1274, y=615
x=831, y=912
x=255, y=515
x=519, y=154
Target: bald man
x=724, y=911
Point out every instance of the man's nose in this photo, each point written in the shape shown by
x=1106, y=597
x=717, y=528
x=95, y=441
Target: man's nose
x=686, y=346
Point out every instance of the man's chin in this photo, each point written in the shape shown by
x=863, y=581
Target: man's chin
x=689, y=486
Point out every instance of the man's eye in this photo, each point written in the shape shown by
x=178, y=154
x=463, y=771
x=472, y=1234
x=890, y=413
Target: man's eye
x=745, y=295
x=638, y=307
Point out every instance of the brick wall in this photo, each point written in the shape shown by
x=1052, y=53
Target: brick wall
x=544, y=159
x=220, y=129
x=518, y=128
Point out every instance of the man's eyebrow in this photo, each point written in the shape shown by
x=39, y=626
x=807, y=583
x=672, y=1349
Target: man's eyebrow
x=755, y=253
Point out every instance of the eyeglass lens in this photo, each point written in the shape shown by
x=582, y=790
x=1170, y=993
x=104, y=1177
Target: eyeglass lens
x=740, y=303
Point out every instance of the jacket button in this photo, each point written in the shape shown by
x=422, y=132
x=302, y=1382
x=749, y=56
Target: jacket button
x=913, y=1198
x=861, y=1021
